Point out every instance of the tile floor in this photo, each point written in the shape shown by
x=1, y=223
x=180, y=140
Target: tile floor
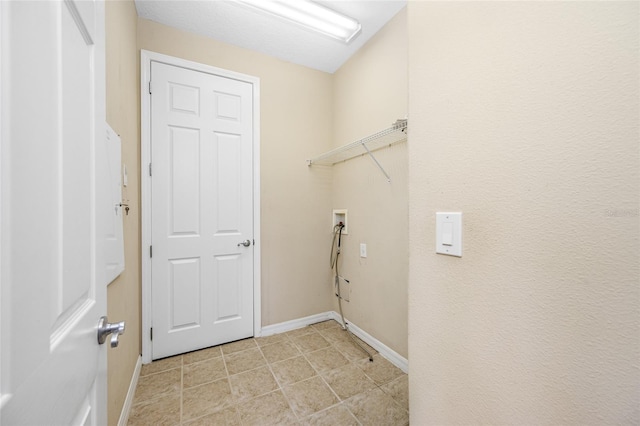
x=311, y=376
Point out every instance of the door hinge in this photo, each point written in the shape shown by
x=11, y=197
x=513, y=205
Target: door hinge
x=149, y=169
x=149, y=86
x=150, y=251
x=151, y=333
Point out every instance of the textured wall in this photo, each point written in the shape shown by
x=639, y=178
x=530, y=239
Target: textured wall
x=369, y=94
x=295, y=123
x=123, y=295
x=524, y=116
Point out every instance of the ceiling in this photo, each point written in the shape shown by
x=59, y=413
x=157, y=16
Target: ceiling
x=233, y=23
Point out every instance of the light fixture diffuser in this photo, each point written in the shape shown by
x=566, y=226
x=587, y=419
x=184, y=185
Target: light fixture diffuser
x=310, y=15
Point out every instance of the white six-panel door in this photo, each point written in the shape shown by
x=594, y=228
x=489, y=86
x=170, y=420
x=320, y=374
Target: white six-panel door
x=202, y=209
x=52, y=259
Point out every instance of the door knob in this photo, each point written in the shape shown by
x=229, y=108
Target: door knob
x=245, y=243
x=105, y=328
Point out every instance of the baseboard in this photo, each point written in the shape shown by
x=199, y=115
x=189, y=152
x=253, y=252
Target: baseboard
x=126, y=407
x=388, y=353
x=294, y=324
x=392, y=356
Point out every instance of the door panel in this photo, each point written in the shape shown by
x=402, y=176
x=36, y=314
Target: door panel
x=185, y=99
x=53, y=269
x=202, y=207
x=185, y=182
x=185, y=287
x=228, y=271
x=228, y=181
x=76, y=125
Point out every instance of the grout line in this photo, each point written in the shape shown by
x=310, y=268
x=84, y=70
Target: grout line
x=253, y=369
x=392, y=397
x=155, y=373
x=337, y=405
x=154, y=397
x=280, y=385
x=349, y=362
x=226, y=369
x=323, y=379
x=181, y=385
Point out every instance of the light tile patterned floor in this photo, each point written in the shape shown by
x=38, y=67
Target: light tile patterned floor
x=311, y=376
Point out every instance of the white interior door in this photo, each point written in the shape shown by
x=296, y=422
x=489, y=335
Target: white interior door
x=52, y=370
x=111, y=151
x=202, y=209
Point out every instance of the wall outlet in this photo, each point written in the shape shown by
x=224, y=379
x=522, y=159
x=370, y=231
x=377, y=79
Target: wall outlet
x=363, y=250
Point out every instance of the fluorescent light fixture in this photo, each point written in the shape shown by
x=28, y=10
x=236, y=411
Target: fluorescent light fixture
x=310, y=15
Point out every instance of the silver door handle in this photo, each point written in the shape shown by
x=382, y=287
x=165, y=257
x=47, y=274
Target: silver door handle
x=245, y=243
x=105, y=328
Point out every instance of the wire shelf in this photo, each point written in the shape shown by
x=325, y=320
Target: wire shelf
x=382, y=139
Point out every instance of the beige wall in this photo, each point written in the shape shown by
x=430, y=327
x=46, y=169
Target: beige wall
x=295, y=113
x=369, y=94
x=123, y=294
x=524, y=116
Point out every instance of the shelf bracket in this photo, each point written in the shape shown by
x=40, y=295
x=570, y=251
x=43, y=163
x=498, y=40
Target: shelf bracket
x=364, y=145
x=384, y=138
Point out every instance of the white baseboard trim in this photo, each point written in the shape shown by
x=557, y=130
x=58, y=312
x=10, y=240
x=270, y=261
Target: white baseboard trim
x=392, y=356
x=126, y=407
x=295, y=324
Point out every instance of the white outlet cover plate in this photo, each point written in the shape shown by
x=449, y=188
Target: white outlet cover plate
x=449, y=233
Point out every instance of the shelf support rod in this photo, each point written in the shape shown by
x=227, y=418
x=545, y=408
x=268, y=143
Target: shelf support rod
x=376, y=161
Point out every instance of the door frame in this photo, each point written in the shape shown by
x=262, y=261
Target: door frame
x=146, y=57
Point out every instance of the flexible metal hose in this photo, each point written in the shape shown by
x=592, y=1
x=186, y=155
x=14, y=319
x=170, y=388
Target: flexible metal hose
x=336, y=230
x=333, y=261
